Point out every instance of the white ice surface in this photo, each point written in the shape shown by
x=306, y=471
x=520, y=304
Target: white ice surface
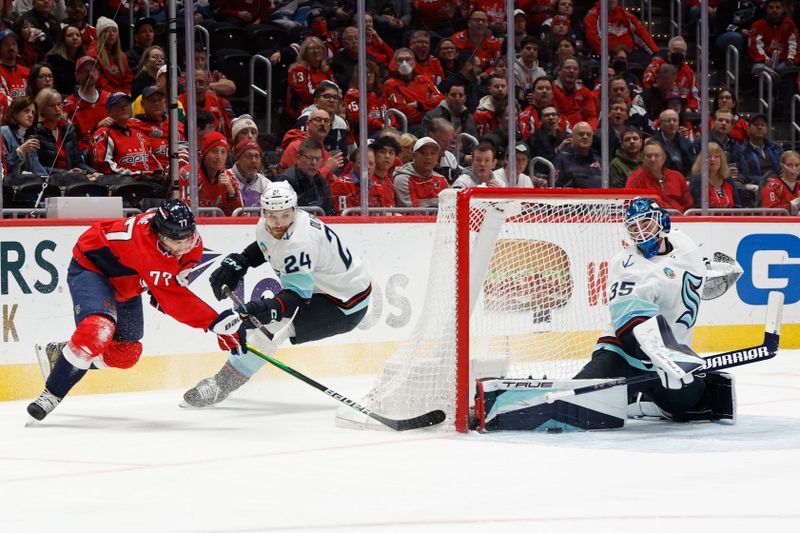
x=271, y=459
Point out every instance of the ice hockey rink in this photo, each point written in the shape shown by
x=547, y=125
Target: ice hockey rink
x=272, y=459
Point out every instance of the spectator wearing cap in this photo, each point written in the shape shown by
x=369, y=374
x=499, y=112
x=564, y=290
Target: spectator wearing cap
x=306, y=74
x=522, y=156
x=243, y=128
x=144, y=36
x=311, y=187
x=520, y=30
x=152, y=59
x=153, y=123
x=115, y=72
x=577, y=165
x=117, y=149
x=43, y=29
x=57, y=139
x=653, y=175
x=247, y=171
x=66, y=51
x=161, y=81
x=209, y=101
x=76, y=12
x=216, y=185
x=415, y=183
x=376, y=100
x=761, y=155
x=477, y=39
x=481, y=173
x=13, y=76
x=318, y=127
x=685, y=82
x=346, y=190
x=86, y=107
x=20, y=147
x=328, y=97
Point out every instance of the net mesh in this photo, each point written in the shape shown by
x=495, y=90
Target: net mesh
x=539, y=307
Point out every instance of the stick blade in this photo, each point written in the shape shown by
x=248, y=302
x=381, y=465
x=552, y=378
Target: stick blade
x=774, y=312
x=428, y=419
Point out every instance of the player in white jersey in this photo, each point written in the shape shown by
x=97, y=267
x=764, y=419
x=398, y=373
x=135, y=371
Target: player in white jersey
x=321, y=279
x=654, y=293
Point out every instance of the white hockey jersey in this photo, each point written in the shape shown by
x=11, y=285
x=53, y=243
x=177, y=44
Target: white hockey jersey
x=311, y=258
x=639, y=288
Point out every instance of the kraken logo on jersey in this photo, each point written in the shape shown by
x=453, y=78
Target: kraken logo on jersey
x=690, y=293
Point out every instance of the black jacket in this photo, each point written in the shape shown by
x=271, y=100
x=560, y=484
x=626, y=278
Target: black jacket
x=311, y=190
x=49, y=146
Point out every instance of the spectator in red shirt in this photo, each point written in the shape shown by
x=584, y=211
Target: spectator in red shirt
x=13, y=76
x=376, y=47
x=685, y=82
x=722, y=191
x=244, y=12
x=386, y=149
x=477, y=39
x=115, y=73
x=415, y=183
x=783, y=191
x=117, y=148
x=424, y=62
x=310, y=69
x=653, y=175
x=491, y=106
x=376, y=100
x=574, y=101
x=216, y=185
x=410, y=93
x=346, y=190
x=773, y=41
x=209, y=101
x=317, y=128
x=624, y=29
x=76, y=11
x=87, y=106
x=154, y=123
x=537, y=10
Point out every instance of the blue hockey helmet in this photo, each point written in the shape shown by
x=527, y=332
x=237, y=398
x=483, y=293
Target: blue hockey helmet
x=646, y=223
x=174, y=220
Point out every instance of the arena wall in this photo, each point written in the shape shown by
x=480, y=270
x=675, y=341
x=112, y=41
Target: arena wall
x=36, y=306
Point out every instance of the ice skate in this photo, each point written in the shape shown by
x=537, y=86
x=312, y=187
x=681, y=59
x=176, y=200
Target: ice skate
x=47, y=356
x=42, y=406
x=213, y=390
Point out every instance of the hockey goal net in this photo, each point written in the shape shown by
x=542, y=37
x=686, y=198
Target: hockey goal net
x=516, y=289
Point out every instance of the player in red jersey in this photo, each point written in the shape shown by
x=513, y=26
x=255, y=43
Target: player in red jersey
x=113, y=263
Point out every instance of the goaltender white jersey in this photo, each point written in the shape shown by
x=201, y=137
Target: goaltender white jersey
x=640, y=288
x=311, y=259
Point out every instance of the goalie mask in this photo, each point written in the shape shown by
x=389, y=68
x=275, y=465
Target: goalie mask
x=176, y=229
x=647, y=223
x=278, y=204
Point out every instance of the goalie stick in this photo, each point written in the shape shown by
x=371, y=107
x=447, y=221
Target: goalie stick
x=743, y=356
x=428, y=419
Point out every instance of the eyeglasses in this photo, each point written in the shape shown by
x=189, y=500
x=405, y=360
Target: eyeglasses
x=329, y=96
x=312, y=158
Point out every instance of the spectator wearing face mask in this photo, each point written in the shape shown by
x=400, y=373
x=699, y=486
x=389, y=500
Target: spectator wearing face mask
x=685, y=81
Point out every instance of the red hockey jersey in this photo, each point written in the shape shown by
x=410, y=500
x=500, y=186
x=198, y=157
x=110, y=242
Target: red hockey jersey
x=487, y=50
x=14, y=80
x=348, y=187
x=85, y=116
x=400, y=93
x=624, y=29
x=303, y=81
x=122, y=151
x=778, y=193
x=575, y=105
x=766, y=40
x=126, y=251
x=376, y=105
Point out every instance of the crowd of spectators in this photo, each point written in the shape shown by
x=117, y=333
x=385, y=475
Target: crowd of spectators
x=77, y=99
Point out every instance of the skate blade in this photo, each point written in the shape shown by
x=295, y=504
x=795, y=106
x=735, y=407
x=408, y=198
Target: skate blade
x=183, y=404
x=41, y=357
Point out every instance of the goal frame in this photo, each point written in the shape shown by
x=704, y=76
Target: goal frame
x=462, y=271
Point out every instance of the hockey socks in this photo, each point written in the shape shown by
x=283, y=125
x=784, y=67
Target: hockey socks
x=63, y=377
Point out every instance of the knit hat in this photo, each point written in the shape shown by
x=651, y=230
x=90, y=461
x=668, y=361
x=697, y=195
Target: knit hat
x=243, y=146
x=103, y=23
x=241, y=122
x=211, y=141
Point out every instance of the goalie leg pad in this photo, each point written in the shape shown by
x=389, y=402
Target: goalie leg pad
x=718, y=402
x=520, y=404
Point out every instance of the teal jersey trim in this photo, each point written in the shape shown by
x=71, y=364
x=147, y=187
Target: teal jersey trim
x=623, y=311
x=361, y=305
x=633, y=361
x=300, y=282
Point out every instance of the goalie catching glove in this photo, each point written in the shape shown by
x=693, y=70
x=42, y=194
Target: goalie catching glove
x=674, y=362
x=231, y=332
x=229, y=274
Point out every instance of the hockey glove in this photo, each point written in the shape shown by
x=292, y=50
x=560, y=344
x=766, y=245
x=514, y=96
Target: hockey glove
x=673, y=362
x=229, y=274
x=265, y=311
x=231, y=332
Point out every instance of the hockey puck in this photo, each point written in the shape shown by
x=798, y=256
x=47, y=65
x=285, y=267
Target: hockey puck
x=555, y=430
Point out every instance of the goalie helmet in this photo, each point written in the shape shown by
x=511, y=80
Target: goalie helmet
x=176, y=228
x=278, y=196
x=646, y=223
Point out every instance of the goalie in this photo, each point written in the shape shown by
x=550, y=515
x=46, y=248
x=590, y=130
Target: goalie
x=654, y=293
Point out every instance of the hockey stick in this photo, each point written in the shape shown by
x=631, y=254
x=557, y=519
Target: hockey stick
x=766, y=350
x=428, y=419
